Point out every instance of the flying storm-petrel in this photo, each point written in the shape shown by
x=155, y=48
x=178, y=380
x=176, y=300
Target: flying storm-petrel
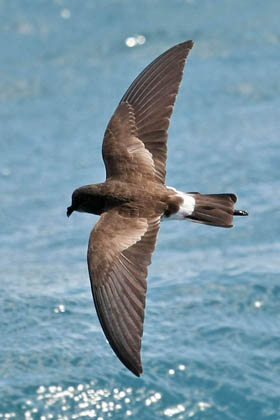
x=134, y=199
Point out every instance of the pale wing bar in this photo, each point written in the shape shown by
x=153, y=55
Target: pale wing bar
x=125, y=156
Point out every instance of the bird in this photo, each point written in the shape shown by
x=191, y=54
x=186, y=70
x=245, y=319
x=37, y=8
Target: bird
x=133, y=201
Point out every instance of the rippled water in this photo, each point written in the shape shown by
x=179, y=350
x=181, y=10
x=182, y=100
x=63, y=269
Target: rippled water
x=211, y=342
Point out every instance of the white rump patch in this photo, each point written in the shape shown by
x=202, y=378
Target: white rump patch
x=186, y=209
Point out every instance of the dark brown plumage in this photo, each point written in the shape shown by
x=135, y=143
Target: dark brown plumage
x=134, y=199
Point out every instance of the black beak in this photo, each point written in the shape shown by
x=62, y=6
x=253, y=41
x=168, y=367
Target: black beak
x=240, y=213
x=69, y=211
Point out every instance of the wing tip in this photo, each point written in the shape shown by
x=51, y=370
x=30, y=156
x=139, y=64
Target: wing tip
x=137, y=370
x=182, y=48
x=134, y=364
x=189, y=43
x=185, y=44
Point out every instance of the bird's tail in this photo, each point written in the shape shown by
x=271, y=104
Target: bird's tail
x=215, y=209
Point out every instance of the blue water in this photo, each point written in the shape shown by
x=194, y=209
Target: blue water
x=211, y=347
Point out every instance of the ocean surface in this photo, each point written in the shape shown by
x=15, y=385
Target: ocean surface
x=211, y=346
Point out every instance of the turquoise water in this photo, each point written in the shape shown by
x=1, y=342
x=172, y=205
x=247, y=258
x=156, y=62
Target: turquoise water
x=211, y=347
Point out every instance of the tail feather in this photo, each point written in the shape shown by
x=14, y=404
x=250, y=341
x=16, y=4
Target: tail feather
x=215, y=209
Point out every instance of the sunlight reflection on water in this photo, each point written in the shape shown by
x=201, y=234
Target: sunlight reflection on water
x=132, y=41
x=90, y=401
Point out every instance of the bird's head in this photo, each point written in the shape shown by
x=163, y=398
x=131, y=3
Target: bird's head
x=69, y=211
x=86, y=199
x=78, y=202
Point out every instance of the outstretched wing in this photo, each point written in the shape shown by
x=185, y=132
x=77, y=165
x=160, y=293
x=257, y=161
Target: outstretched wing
x=119, y=252
x=135, y=140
